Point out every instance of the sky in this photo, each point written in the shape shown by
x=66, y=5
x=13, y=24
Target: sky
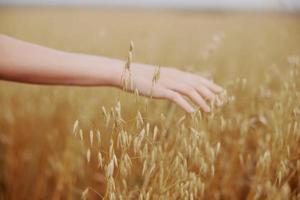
x=187, y=4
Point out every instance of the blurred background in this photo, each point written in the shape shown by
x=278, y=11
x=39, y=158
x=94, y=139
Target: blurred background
x=278, y=5
x=227, y=39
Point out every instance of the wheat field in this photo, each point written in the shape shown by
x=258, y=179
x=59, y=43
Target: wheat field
x=102, y=143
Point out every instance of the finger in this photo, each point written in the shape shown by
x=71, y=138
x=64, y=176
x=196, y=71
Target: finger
x=192, y=78
x=192, y=94
x=179, y=100
x=198, y=100
x=211, y=85
x=205, y=92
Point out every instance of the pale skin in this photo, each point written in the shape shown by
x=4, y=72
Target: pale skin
x=22, y=61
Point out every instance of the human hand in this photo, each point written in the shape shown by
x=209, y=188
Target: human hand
x=172, y=84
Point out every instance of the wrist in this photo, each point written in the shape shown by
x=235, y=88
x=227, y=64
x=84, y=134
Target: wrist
x=111, y=72
x=115, y=72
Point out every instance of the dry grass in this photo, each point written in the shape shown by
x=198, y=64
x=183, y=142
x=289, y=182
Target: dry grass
x=125, y=147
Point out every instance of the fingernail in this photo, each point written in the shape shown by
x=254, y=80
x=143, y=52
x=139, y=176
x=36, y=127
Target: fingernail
x=192, y=110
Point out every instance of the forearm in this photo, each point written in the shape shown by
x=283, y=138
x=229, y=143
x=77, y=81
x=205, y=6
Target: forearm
x=25, y=62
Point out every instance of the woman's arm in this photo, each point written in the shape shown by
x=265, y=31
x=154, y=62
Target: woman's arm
x=26, y=62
